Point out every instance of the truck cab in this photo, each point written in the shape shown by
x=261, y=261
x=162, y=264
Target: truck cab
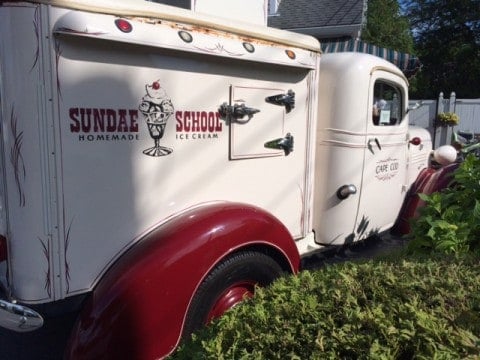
x=363, y=147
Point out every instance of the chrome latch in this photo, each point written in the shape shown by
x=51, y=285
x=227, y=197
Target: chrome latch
x=237, y=112
x=287, y=100
x=285, y=144
x=18, y=317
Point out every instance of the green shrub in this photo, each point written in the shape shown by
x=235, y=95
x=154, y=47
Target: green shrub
x=422, y=309
x=450, y=220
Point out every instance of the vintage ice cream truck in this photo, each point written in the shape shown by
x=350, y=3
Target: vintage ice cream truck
x=158, y=163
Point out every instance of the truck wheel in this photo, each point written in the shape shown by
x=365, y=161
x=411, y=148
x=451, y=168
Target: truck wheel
x=231, y=281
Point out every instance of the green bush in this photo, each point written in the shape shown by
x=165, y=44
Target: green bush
x=450, y=220
x=405, y=309
x=420, y=308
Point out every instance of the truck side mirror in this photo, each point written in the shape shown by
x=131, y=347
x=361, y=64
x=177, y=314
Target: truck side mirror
x=415, y=106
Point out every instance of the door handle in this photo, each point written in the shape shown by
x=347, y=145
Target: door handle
x=345, y=191
x=376, y=142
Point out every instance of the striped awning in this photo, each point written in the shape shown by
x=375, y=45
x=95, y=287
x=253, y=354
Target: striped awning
x=409, y=64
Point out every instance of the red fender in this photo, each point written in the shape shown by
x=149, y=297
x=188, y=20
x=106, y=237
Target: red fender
x=428, y=181
x=138, y=308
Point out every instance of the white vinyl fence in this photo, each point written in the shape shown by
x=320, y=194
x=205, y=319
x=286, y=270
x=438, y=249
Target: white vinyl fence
x=467, y=109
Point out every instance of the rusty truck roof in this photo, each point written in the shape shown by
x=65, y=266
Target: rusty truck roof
x=140, y=8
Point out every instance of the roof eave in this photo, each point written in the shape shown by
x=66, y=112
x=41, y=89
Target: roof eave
x=352, y=31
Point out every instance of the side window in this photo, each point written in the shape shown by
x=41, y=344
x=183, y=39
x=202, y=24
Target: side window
x=387, y=104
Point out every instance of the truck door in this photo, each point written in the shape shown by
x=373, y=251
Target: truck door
x=385, y=156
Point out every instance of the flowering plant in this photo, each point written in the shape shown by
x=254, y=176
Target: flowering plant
x=448, y=119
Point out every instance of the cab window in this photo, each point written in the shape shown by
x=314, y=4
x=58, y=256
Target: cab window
x=387, y=101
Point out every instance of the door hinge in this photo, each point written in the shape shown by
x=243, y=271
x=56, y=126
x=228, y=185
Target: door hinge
x=285, y=144
x=287, y=100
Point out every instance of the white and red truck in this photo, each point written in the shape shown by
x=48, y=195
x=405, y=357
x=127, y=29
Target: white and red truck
x=158, y=164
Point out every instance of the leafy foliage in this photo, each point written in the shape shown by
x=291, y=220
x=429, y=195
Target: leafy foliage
x=448, y=119
x=447, y=39
x=421, y=307
x=372, y=310
x=387, y=27
x=450, y=220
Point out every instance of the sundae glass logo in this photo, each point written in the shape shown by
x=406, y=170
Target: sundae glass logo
x=157, y=109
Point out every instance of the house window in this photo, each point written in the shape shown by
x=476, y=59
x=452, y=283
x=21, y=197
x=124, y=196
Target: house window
x=185, y=4
x=273, y=7
x=387, y=104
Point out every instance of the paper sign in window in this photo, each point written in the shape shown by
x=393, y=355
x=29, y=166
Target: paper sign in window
x=385, y=117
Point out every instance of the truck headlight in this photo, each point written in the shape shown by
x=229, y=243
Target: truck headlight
x=445, y=155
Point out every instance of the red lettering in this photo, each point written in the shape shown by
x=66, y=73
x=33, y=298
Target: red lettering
x=196, y=121
x=122, y=121
x=204, y=121
x=98, y=120
x=219, y=123
x=111, y=120
x=75, y=125
x=133, y=120
x=178, y=117
x=186, y=121
x=86, y=120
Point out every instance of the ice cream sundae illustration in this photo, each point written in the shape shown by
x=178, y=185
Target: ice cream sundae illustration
x=157, y=108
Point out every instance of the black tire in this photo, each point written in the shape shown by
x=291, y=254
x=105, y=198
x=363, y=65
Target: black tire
x=242, y=270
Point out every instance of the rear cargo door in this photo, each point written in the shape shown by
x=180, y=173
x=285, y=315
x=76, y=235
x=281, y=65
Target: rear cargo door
x=262, y=123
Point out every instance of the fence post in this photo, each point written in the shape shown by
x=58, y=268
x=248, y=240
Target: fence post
x=445, y=137
x=453, y=102
x=437, y=130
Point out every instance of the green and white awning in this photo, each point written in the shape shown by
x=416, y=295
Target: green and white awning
x=409, y=64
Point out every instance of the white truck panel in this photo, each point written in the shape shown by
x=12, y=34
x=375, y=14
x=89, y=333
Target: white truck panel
x=28, y=147
x=91, y=166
